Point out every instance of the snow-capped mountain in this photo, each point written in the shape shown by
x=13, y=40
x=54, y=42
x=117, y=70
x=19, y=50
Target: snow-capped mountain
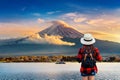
x=62, y=29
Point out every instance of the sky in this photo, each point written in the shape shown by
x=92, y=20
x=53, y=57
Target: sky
x=20, y=18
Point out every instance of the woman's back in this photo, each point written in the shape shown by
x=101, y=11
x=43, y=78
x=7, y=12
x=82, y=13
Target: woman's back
x=88, y=55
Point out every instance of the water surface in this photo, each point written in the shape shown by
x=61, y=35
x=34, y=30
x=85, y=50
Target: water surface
x=51, y=71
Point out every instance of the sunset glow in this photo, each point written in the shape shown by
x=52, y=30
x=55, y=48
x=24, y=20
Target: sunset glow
x=102, y=19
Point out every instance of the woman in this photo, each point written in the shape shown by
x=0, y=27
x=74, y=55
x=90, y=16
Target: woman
x=87, y=55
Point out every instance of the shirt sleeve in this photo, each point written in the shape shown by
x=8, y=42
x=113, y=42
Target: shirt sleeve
x=79, y=56
x=98, y=56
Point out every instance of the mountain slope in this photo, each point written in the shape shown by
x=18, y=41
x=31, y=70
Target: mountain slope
x=61, y=29
x=105, y=47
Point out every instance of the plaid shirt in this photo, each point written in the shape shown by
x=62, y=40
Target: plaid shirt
x=96, y=55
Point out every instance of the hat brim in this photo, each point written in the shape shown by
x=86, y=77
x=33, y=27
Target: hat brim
x=87, y=42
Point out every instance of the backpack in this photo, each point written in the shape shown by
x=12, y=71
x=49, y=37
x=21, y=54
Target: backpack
x=88, y=60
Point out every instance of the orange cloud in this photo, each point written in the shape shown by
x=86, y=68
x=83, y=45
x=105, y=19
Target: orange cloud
x=17, y=30
x=105, y=36
x=104, y=26
x=79, y=19
x=101, y=22
x=57, y=40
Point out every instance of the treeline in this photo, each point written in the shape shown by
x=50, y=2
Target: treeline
x=52, y=59
x=111, y=59
x=38, y=59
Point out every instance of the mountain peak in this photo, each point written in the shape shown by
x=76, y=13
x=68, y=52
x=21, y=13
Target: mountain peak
x=61, y=28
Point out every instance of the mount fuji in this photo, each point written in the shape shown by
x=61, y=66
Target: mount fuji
x=58, y=39
x=62, y=29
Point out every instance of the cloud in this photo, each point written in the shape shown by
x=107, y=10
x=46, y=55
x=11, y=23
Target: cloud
x=105, y=36
x=58, y=22
x=88, y=21
x=53, y=12
x=79, y=19
x=109, y=25
x=56, y=40
x=36, y=14
x=50, y=12
x=18, y=29
x=40, y=20
x=103, y=22
x=94, y=21
x=105, y=26
x=73, y=17
x=70, y=15
x=100, y=21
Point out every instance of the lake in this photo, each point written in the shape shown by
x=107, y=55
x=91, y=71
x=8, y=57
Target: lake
x=52, y=71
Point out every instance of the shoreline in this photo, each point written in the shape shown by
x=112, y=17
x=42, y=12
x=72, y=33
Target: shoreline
x=50, y=59
x=55, y=62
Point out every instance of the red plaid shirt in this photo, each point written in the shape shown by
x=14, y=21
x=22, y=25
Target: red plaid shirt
x=96, y=55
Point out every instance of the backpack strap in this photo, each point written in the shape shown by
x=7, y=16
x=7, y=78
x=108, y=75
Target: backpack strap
x=88, y=51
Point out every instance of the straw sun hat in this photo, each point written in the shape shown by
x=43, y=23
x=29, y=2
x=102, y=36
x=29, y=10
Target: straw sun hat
x=87, y=39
